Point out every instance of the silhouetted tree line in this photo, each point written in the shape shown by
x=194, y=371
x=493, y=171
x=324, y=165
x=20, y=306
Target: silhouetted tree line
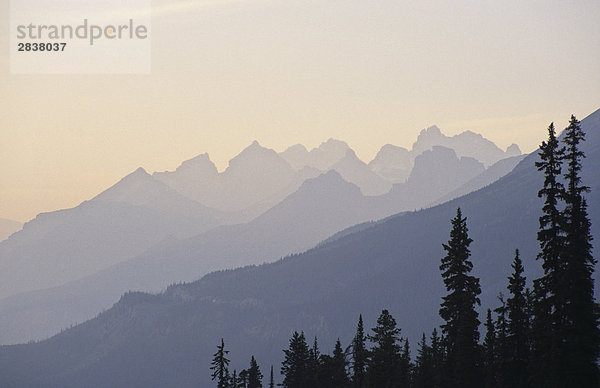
x=545, y=337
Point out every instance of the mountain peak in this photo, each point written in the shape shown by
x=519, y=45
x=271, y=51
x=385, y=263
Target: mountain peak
x=199, y=158
x=131, y=188
x=322, y=157
x=432, y=130
x=513, y=150
x=327, y=181
x=296, y=148
x=331, y=142
x=257, y=167
x=392, y=163
x=469, y=133
x=140, y=171
x=199, y=162
x=253, y=151
x=390, y=152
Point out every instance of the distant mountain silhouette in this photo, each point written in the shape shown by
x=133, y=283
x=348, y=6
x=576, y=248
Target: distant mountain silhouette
x=266, y=178
x=168, y=339
x=436, y=173
x=194, y=178
x=392, y=163
x=119, y=223
x=489, y=176
x=8, y=227
x=466, y=143
x=356, y=171
x=321, y=158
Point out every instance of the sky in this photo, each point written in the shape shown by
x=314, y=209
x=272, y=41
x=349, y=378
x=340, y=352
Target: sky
x=227, y=72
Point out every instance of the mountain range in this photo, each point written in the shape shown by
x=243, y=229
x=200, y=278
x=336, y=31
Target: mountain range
x=169, y=338
x=320, y=207
x=148, y=231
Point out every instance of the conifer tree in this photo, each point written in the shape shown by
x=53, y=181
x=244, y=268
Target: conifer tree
x=271, y=379
x=502, y=345
x=578, y=337
x=405, y=365
x=489, y=353
x=295, y=366
x=551, y=237
x=460, y=331
x=339, y=375
x=516, y=374
x=314, y=363
x=254, y=375
x=437, y=359
x=384, y=365
x=233, y=382
x=360, y=355
x=423, y=373
x=219, y=366
x=242, y=379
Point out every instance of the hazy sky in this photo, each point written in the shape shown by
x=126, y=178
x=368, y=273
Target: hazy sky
x=283, y=72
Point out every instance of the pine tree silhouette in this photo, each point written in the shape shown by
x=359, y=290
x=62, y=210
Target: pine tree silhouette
x=384, y=368
x=295, y=366
x=460, y=331
x=360, y=355
x=271, y=379
x=518, y=328
x=576, y=321
x=551, y=238
x=254, y=375
x=219, y=366
x=489, y=353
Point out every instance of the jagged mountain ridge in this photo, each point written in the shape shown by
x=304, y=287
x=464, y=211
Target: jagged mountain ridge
x=467, y=143
x=269, y=176
x=393, y=265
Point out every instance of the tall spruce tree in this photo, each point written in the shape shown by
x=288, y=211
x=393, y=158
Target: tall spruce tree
x=517, y=328
x=338, y=375
x=295, y=366
x=360, y=355
x=489, y=353
x=577, y=332
x=384, y=365
x=314, y=363
x=544, y=363
x=406, y=367
x=271, y=379
x=502, y=345
x=254, y=374
x=423, y=372
x=460, y=331
x=437, y=359
x=220, y=364
x=332, y=370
